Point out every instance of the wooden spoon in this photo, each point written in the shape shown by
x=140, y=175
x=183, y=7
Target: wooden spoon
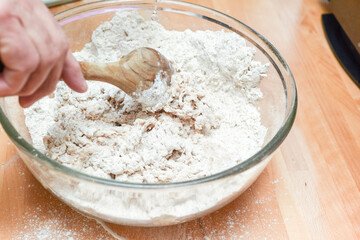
x=135, y=71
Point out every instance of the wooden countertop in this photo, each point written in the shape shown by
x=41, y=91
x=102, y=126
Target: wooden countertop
x=310, y=190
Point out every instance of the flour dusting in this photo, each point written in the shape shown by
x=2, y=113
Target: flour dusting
x=206, y=121
x=156, y=97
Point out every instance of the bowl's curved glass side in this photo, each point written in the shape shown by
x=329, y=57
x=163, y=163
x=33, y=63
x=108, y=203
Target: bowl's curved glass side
x=164, y=204
x=140, y=207
x=151, y=207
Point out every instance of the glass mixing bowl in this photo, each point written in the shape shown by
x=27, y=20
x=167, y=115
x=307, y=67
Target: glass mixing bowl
x=163, y=203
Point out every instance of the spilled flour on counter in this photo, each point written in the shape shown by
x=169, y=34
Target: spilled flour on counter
x=206, y=121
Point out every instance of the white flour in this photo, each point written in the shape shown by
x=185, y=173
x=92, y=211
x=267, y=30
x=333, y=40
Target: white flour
x=205, y=122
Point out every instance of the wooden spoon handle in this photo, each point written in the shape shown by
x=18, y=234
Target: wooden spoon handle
x=137, y=70
x=110, y=73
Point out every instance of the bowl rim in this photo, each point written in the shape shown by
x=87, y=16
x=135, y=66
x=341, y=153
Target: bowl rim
x=258, y=157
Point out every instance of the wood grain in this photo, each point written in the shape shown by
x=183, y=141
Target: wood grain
x=132, y=72
x=310, y=190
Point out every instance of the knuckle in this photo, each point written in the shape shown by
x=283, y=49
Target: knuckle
x=32, y=63
x=51, y=58
x=30, y=66
x=55, y=55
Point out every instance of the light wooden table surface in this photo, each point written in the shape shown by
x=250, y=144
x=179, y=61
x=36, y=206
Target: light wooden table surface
x=310, y=190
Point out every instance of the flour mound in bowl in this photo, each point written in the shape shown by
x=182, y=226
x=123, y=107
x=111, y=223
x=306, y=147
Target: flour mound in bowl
x=206, y=121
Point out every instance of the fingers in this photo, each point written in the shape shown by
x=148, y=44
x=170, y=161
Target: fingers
x=47, y=87
x=50, y=52
x=51, y=44
x=56, y=51
x=19, y=55
x=72, y=75
x=51, y=56
x=35, y=53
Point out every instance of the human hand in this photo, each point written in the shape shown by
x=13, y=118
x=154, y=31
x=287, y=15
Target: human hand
x=35, y=52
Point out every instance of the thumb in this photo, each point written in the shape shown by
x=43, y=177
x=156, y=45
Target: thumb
x=72, y=75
